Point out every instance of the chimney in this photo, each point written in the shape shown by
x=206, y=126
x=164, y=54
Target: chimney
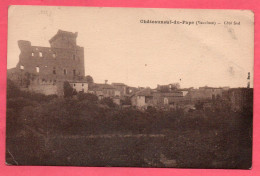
x=248, y=80
x=106, y=81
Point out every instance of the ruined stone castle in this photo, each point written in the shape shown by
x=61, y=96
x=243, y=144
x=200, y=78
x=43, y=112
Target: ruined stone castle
x=44, y=69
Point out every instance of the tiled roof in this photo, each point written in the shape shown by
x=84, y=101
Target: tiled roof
x=96, y=86
x=118, y=84
x=144, y=92
x=77, y=81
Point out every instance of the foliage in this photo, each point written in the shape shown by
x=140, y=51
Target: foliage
x=89, y=79
x=87, y=96
x=126, y=101
x=199, y=105
x=12, y=89
x=108, y=101
x=47, y=130
x=68, y=90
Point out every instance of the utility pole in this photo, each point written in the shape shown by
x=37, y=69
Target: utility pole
x=248, y=80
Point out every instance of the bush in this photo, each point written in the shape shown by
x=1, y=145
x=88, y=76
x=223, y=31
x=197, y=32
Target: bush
x=12, y=89
x=89, y=79
x=151, y=110
x=68, y=90
x=199, y=105
x=87, y=96
x=108, y=101
x=126, y=101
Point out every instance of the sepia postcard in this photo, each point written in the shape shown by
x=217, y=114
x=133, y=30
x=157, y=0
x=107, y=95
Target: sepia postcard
x=129, y=87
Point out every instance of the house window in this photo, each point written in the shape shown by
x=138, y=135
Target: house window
x=32, y=53
x=74, y=72
x=82, y=84
x=165, y=101
x=54, y=71
x=74, y=57
x=74, y=85
x=65, y=71
x=146, y=99
x=37, y=69
x=40, y=54
x=21, y=67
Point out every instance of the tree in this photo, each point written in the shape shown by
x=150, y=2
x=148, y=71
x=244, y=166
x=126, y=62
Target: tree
x=199, y=105
x=126, y=101
x=12, y=89
x=87, y=96
x=68, y=90
x=108, y=101
x=89, y=79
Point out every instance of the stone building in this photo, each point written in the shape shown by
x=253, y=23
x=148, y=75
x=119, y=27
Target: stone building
x=240, y=99
x=205, y=93
x=121, y=87
x=103, y=90
x=143, y=98
x=49, y=67
x=172, y=97
x=168, y=99
x=79, y=86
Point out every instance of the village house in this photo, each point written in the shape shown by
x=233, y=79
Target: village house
x=131, y=90
x=79, y=86
x=143, y=98
x=171, y=96
x=239, y=98
x=168, y=87
x=105, y=91
x=166, y=97
x=121, y=87
x=205, y=93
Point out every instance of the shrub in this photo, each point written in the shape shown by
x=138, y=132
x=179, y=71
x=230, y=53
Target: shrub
x=199, y=105
x=12, y=89
x=89, y=79
x=87, y=96
x=126, y=101
x=68, y=90
x=108, y=101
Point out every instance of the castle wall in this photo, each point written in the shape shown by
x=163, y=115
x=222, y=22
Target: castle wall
x=44, y=69
x=47, y=89
x=52, y=63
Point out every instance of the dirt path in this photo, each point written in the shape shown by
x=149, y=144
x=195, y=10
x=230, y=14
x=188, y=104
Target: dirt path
x=112, y=136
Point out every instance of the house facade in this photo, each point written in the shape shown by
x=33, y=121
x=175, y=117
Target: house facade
x=143, y=98
x=240, y=99
x=79, y=86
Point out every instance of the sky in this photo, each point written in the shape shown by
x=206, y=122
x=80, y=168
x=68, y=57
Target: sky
x=119, y=48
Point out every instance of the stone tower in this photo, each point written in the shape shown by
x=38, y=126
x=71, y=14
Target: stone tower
x=64, y=60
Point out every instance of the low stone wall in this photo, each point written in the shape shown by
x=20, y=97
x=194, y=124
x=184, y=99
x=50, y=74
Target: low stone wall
x=47, y=89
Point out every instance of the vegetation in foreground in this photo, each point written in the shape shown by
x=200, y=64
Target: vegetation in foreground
x=48, y=130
